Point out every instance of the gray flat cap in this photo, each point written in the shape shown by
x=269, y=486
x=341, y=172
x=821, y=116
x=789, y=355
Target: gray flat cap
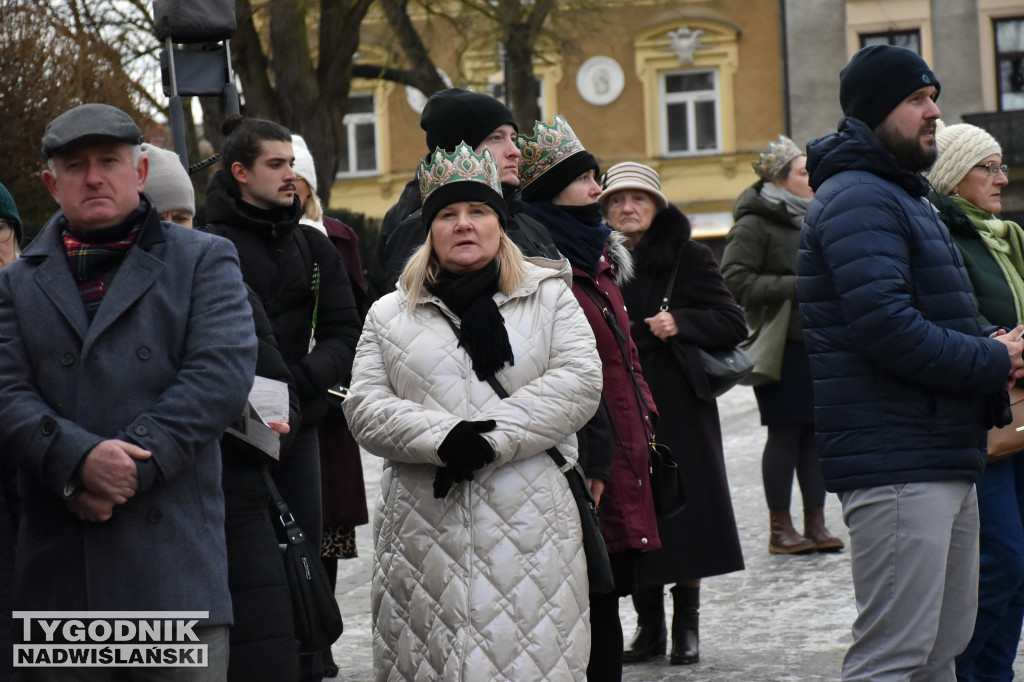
x=89, y=122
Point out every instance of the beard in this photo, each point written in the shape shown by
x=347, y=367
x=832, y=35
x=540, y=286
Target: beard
x=910, y=153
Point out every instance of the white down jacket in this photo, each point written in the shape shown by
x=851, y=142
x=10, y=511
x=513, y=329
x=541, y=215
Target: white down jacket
x=489, y=583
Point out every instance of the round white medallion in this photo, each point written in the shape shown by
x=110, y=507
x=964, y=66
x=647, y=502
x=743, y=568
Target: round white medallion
x=600, y=80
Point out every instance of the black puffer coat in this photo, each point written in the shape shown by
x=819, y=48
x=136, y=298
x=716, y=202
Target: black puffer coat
x=277, y=256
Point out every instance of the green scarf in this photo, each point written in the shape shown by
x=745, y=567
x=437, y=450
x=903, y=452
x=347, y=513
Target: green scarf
x=1005, y=241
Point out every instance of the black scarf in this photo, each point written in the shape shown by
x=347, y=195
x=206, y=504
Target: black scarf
x=483, y=334
x=577, y=231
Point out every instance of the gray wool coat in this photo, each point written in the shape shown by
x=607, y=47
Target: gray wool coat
x=166, y=363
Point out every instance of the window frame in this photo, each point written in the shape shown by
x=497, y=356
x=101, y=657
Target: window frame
x=351, y=123
x=690, y=98
x=998, y=56
x=863, y=36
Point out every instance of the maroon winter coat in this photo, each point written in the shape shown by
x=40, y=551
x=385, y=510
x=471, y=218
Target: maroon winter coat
x=341, y=470
x=628, y=521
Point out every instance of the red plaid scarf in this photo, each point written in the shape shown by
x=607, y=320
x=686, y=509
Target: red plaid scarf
x=90, y=262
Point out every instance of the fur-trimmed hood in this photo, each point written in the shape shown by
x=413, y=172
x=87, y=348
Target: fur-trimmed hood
x=621, y=257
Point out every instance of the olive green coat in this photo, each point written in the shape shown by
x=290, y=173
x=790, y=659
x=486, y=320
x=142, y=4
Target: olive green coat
x=759, y=261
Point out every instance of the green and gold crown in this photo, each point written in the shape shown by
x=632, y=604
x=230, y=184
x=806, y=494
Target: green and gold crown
x=548, y=146
x=461, y=166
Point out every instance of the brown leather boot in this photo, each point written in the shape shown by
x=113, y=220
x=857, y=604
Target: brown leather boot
x=816, y=532
x=784, y=538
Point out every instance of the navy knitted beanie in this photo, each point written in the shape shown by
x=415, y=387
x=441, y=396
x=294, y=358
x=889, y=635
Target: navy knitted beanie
x=878, y=78
x=455, y=115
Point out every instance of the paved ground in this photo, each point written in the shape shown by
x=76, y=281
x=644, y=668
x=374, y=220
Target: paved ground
x=782, y=619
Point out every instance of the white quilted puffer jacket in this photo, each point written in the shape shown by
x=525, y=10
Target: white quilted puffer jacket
x=489, y=583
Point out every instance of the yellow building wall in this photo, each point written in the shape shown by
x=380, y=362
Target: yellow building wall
x=742, y=39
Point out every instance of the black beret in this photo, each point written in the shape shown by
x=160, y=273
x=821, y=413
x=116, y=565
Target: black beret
x=89, y=122
x=455, y=115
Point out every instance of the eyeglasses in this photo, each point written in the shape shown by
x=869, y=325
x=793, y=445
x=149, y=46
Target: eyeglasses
x=993, y=169
x=6, y=231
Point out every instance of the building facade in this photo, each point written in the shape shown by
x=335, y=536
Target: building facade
x=693, y=88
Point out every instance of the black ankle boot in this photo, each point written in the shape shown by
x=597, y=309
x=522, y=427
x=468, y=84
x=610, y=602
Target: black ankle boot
x=651, y=637
x=685, y=629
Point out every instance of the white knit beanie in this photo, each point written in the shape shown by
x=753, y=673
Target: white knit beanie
x=304, y=166
x=168, y=184
x=960, y=146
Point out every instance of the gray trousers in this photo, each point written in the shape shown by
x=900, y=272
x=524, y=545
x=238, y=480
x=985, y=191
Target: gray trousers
x=914, y=556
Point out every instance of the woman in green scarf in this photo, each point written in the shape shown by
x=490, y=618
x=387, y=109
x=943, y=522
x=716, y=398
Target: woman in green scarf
x=968, y=179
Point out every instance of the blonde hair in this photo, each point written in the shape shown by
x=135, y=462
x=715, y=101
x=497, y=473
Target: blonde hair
x=313, y=209
x=423, y=266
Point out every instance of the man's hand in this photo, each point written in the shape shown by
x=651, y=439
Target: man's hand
x=1014, y=346
x=596, y=488
x=662, y=325
x=109, y=470
x=91, y=507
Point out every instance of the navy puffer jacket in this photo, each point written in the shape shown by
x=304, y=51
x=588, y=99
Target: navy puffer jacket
x=901, y=366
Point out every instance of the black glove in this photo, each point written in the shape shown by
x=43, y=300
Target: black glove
x=997, y=410
x=464, y=450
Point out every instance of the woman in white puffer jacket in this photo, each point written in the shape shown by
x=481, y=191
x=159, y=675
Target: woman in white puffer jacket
x=479, y=571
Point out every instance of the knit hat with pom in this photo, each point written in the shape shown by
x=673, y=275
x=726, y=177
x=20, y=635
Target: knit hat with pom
x=960, y=146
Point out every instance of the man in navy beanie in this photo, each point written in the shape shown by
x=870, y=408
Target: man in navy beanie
x=449, y=117
x=906, y=381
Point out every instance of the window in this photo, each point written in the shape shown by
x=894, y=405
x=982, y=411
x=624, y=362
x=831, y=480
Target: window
x=690, y=112
x=359, y=145
x=909, y=39
x=496, y=89
x=1009, y=38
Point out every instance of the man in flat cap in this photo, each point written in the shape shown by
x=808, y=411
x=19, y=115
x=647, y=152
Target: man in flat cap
x=902, y=371
x=128, y=347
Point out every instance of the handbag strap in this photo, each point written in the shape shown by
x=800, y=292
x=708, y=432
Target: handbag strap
x=285, y=516
x=620, y=339
x=671, y=284
x=553, y=453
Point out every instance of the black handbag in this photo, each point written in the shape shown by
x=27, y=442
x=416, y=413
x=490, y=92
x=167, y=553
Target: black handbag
x=666, y=478
x=314, y=607
x=666, y=482
x=599, y=566
x=724, y=367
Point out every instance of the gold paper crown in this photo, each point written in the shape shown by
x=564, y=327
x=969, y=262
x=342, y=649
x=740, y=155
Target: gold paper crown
x=548, y=146
x=780, y=152
x=461, y=166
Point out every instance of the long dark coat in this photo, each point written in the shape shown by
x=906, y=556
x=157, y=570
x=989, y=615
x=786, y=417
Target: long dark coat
x=702, y=540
